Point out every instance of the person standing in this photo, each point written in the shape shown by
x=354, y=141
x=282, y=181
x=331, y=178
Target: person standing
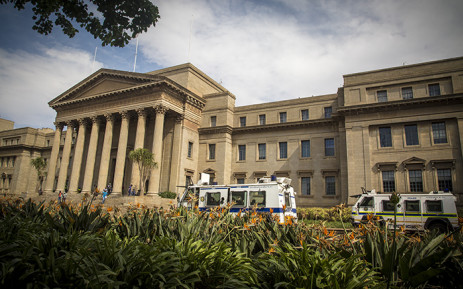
x=105, y=194
x=59, y=196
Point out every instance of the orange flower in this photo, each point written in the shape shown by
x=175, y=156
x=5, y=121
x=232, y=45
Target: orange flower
x=271, y=211
x=110, y=209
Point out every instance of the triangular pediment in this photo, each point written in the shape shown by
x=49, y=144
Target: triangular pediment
x=101, y=82
x=414, y=160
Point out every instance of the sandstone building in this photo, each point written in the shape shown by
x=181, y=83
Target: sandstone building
x=396, y=129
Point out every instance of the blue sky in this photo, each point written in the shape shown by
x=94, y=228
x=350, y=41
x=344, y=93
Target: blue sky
x=259, y=50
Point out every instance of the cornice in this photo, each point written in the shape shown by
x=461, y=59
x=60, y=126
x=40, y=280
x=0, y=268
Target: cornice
x=286, y=125
x=400, y=104
x=216, y=130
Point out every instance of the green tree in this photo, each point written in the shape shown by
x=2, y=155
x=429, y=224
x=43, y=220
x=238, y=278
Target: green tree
x=40, y=166
x=145, y=161
x=114, y=22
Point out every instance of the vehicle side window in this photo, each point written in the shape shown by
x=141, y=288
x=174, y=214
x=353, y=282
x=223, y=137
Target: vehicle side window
x=287, y=200
x=412, y=206
x=434, y=206
x=367, y=202
x=213, y=199
x=257, y=198
x=388, y=206
x=238, y=199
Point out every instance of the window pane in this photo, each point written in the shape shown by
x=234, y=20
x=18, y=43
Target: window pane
x=367, y=202
x=330, y=185
x=257, y=198
x=190, y=149
x=388, y=206
x=434, y=89
x=444, y=179
x=262, y=119
x=329, y=147
x=439, y=132
x=239, y=199
x=305, y=186
x=407, y=93
x=305, y=148
x=434, y=206
x=411, y=135
x=241, y=152
x=412, y=206
x=305, y=114
x=213, y=199
x=262, y=151
x=328, y=111
x=240, y=181
x=388, y=181
x=242, y=121
x=382, y=95
x=283, y=150
x=213, y=120
x=282, y=117
x=212, y=151
x=385, y=137
x=416, y=180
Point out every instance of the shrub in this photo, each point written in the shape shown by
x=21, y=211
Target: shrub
x=168, y=195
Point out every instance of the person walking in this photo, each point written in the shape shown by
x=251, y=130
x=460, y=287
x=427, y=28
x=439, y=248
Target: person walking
x=64, y=196
x=130, y=190
x=105, y=194
x=59, y=197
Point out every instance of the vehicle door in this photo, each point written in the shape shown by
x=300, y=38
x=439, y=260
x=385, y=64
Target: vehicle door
x=412, y=217
x=238, y=199
x=387, y=212
x=215, y=197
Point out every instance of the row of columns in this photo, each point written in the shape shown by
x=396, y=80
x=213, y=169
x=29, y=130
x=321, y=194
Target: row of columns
x=106, y=152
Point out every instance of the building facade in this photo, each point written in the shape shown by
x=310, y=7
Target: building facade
x=396, y=129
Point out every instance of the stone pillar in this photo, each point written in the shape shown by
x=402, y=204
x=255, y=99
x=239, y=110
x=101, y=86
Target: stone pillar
x=157, y=149
x=121, y=154
x=63, y=169
x=53, y=158
x=78, y=153
x=91, y=156
x=139, y=143
x=106, y=153
x=176, y=152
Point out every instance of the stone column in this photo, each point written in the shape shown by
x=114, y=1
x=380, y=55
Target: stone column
x=121, y=154
x=91, y=156
x=139, y=143
x=63, y=169
x=157, y=149
x=106, y=153
x=176, y=152
x=53, y=158
x=78, y=153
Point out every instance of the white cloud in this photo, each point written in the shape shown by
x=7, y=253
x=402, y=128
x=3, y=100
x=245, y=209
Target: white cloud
x=29, y=81
x=287, y=49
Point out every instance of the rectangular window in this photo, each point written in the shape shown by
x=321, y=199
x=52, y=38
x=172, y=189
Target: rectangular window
x=382, y=95
x=242, y=121
x=212, y=151
x=305, y=114
x=262, y=119
x=305, y=186
x=439, y=132
x=411, y=135
x=388, y=206
x=328, y=111
x=241, y=152
x=240, y=181
x=444, y=179
x=283, y=150
x=282, y=117
x=239, y=198
x=48, y=142
x=262, y=151
x=416, y=180
x=13, y=159
x=412, y=206
x=434, y=206
x=213, y=121
x=330, y=186
x=329, y=147
x=213, y=199
x=434, y=89
x=388, y=181
x=385, y=137
x=305, y=148
x=190, y=149
x=257, y=198
x=407, y=93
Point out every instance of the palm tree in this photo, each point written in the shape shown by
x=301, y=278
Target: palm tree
x=40, y=165
x=145, y=160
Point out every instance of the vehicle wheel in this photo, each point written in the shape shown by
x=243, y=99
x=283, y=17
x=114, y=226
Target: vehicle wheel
x=439, y=227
